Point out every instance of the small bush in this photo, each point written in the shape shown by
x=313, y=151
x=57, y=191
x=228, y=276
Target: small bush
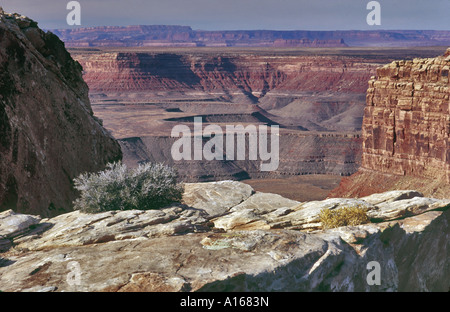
x=343, y=217
x=149, y=186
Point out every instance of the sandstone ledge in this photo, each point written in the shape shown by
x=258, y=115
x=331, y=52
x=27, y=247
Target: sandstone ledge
x=249, y=241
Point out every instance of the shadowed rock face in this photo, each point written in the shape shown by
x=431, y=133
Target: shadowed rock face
x=406, y=129
x=226, y=237
x=300, y=154
x=48, y=134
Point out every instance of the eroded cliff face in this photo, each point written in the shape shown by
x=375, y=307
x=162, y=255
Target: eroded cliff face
x=300, y=93
x=48, y=134
x=406, y=129
x=254, y=74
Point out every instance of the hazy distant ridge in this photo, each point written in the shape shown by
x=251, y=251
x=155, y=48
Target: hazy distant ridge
x=172, y=35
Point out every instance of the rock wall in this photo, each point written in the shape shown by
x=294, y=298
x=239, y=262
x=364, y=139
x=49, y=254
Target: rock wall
x=406, y=127
x=48, y=134
x=299, y=154
x=254, y=74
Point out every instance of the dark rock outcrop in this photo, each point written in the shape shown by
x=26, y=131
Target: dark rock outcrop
x=48, y=134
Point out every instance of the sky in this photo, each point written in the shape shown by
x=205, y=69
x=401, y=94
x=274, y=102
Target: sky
x=240, y=14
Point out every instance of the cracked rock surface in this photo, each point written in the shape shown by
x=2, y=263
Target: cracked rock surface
x=229, y=238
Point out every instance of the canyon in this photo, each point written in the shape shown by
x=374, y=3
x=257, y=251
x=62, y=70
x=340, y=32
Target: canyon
x=315, y=100
x=223, y=235
x=316, y=97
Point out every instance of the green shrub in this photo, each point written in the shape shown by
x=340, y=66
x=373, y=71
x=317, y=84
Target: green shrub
x=343, y=217
x=149, y=186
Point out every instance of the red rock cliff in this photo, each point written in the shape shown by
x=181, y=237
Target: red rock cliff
x=406, y=129
x=246, y=71
x=48, y=134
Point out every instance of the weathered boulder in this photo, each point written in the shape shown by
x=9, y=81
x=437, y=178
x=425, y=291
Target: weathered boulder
x=14, y=224
x=216, y=198
x=255, y=244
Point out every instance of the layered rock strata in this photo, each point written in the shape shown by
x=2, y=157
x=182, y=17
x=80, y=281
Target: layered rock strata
x=406, y=123
x=298, y=92
x=226, y=237
x=251, y=73
x=406, y=127
x=299, y=154
x=48, y=134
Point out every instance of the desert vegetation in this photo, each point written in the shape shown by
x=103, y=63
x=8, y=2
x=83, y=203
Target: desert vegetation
x=343, y=216
x=149, y=186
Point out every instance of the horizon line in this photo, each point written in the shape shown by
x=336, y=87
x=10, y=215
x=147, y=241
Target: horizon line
x=234, y=30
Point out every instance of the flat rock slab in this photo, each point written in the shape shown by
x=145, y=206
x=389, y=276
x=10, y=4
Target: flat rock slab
x=260, y=260
x=257, y=242
x=406, y=207
x=216, y=198
x=263, y=211
x=78, y=229
x=391, y=196
x=13, y=224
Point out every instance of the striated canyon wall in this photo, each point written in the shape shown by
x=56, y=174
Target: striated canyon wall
x=48, y=134
x=406, y=129
x=317, y=100
x=251, y=72
x=316, y=92
x=300, y=154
